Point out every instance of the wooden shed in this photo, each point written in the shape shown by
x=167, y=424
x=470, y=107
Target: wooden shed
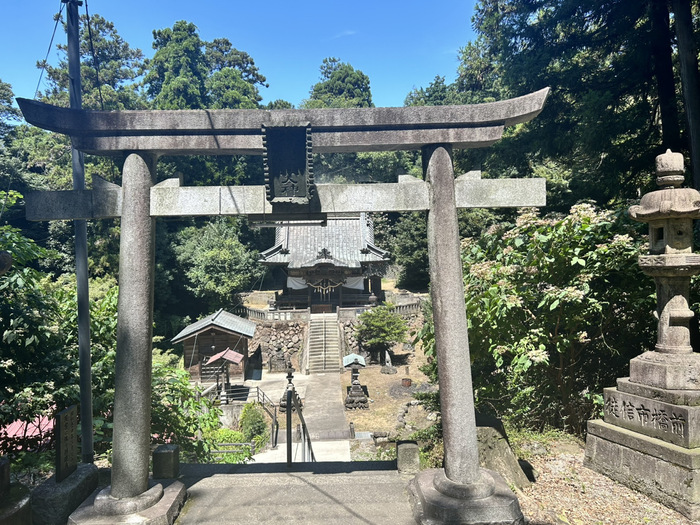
x=207, y=340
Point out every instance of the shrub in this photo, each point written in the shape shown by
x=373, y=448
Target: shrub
x=252, y=422
x=556, y=307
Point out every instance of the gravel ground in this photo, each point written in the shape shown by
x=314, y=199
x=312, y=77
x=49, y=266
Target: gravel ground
x=566, y=492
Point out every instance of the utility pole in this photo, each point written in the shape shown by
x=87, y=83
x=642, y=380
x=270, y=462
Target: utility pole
x=81, y=261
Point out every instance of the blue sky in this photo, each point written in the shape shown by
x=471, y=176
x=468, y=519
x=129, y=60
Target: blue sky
x=399, y=45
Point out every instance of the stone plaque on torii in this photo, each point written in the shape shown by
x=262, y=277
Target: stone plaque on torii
x=461, y=491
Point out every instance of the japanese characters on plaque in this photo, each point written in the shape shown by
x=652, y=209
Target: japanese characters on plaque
x=66, y=442
x=654, y=418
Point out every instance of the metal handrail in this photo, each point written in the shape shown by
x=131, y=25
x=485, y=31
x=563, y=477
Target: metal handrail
x=324, y=343
x=274, y=426
x=293, y=402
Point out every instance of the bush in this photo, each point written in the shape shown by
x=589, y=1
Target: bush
x=178, y=415
x=556, y=307
x=253, y=422
x=227, y=436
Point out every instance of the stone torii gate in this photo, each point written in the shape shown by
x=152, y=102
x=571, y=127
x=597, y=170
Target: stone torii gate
x=461, y=492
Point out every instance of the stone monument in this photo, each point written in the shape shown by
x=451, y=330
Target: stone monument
x=649, y=438
x=55, y=499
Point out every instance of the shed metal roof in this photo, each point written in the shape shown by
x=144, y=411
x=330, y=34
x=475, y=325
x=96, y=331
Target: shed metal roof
x=222, y=320
x=344, y=241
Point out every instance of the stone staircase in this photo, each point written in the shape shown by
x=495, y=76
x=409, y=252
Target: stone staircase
x=324, y=344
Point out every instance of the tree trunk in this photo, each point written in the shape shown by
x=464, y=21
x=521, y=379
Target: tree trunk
x=690, y=79
x=663, y=71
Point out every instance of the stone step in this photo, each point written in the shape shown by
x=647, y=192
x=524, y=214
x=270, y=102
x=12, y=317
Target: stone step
x=324, y=344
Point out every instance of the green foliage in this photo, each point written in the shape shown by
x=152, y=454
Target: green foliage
x=217, y=264
x=8, y=114
x=228, y=436
x=556, y=307
x=179, y=415
x=119, y=68
x=189, y=73
x=341, y=86
x=253, y=423
x=380, y=328
x=607, y=116
x=36, y=374
x=410, y=250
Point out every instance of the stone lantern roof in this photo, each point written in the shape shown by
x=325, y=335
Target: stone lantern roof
x=671, y=201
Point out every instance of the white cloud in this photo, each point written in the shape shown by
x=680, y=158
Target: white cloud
x=343, y=34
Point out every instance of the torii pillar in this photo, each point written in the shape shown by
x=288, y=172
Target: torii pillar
x=461, y=492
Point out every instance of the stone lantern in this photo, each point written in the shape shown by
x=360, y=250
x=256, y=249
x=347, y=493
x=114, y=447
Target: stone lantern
x=669, y=212
x=649, y=438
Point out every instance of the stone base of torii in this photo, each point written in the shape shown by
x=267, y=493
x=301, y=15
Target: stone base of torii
x=461, y=492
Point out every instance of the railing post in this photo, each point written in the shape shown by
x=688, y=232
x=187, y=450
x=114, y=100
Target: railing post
x=289, y=427
x=303, y=443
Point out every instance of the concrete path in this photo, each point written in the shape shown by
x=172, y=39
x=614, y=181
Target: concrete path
x=274, y=384
x=324, y=413
x=324, y=408
x=333, y=490
x=337, y=450
x=362, y=493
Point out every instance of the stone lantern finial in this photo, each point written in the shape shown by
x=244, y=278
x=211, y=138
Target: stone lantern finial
x=670, y=170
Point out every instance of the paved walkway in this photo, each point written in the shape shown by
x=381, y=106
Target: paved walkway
x=324, y=413
x=336, y=450
x=357, y=493
x=324, y=407
x=332, y=490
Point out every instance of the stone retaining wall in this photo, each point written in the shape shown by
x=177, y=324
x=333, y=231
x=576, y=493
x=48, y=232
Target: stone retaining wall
x=280, y=340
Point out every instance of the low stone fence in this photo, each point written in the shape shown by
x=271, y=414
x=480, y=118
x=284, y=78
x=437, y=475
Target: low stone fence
x=408, y=309
x=350, y=314
x=277, y=315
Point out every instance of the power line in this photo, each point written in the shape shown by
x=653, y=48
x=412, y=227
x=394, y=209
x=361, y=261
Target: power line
x=43, y=65
x=94, y=58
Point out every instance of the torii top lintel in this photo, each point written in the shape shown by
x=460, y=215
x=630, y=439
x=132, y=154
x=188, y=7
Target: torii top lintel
x=238, y=131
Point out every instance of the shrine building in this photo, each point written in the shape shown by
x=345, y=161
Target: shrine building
x=328, y=267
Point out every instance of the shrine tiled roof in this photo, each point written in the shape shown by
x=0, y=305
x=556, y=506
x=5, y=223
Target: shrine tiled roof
x=344, y=241
x=222, y=320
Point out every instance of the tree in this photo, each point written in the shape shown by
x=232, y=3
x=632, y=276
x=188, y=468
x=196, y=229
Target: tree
x=410, y=249
x=610, y=110
x=189, y=73
x=8, y=114
x=109, y=69
x=178, y=70
x=688, y=58
x=341, y=86
x=216, y=264
x=36, y=375
x=380, y=328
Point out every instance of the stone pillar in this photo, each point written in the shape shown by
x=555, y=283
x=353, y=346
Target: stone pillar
x=132, y=391
x=449, y=317
x=462, y=492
